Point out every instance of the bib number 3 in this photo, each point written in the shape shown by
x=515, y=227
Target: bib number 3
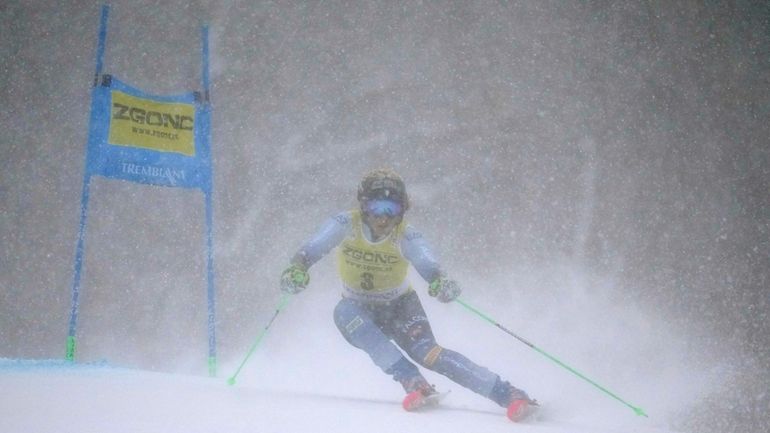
x=367, y=281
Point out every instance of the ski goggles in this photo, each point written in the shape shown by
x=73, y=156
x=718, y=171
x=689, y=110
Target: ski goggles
x=381, y=207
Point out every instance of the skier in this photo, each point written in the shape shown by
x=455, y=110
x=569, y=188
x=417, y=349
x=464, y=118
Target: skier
x=378, y=307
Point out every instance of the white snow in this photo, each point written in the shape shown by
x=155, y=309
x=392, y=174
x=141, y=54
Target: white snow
x=47, y=398
x=305, y=378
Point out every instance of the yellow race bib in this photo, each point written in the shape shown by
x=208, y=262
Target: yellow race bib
x=371, y=268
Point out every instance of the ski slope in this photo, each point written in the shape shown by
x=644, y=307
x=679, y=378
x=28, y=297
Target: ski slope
x=304, y=377
x=53, y=397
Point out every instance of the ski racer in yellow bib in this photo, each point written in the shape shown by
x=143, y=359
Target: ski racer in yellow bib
x=379, y=311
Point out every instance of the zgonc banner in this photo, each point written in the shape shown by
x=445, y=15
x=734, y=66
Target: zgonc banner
x=157, y=140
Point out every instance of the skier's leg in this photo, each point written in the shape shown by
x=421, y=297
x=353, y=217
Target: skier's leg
x=357, y=326
x=413, y=333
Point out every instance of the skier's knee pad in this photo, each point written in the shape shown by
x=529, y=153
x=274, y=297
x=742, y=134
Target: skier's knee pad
x=432, y=356
x=426, y=354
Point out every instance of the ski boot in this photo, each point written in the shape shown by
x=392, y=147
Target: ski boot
x=518, y=404
x=419, y=393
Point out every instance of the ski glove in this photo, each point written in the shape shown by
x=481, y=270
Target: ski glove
x=294, y=279
x=444, y=289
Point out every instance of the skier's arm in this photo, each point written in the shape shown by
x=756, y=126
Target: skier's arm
x=328, y=236
x=416, y=249
x=296, y=278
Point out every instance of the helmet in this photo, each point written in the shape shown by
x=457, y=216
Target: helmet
x=383, y=184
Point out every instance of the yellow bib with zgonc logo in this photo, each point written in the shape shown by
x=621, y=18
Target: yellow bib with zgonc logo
x=372, y=270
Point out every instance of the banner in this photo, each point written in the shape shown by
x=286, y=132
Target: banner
x=149, y=139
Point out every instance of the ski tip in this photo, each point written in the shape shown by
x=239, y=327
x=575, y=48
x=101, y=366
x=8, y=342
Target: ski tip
x=231, y=381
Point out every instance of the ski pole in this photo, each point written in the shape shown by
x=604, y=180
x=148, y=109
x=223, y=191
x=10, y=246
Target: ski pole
x=281, y=305
x=637, y=410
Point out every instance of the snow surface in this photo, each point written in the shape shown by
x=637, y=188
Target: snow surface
x=53, y=397
x=305, y=378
